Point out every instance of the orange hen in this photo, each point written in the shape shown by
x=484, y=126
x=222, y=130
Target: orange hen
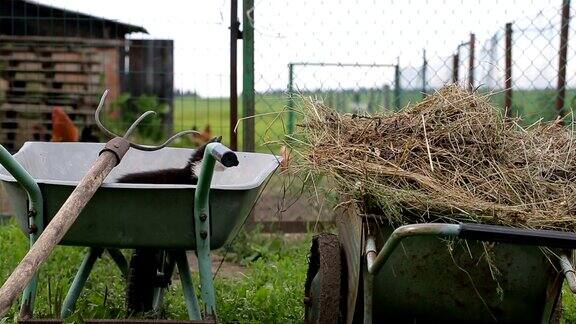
x=202, y=137
x=63, y=129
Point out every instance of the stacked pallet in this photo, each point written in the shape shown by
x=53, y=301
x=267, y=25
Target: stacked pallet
x=38, y=74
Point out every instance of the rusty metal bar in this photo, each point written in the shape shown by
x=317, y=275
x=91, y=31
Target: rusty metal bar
x=508, y=71
x=455, y=65
x=561, y=86
x=234, y=36
x=471, y=62
x=424, y=68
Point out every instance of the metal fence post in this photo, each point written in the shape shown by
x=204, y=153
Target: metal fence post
x=508, y=71
x=397, y=89
x=234, y=36
x=248, y=103
x=455, y=65
x=561, y=87
x=291, y=117
x=424, y=67
x=471, y=63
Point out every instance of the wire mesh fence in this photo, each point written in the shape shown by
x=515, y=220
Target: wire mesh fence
x=358, y=56
x=331, y=51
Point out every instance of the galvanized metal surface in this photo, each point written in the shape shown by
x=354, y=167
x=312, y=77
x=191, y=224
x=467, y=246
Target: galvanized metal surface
x=137, y=215
x=427, y=278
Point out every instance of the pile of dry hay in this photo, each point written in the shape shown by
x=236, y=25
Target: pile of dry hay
x=450, y=157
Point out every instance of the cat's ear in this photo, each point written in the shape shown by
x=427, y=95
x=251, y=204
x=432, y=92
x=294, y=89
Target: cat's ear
x=216, y=139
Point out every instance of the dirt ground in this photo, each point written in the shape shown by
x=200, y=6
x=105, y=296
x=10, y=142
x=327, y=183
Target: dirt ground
x=227, y=269
x=279, y=203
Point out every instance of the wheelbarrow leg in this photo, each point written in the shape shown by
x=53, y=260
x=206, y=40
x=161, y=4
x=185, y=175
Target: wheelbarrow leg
x=120, y=261
x=187, y=285
x=368, y=293
x=79, y=281
x=28, y=298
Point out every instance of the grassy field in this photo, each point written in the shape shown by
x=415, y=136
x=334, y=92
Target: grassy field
x=271, y=114
x=269, y=291
x=194, y=112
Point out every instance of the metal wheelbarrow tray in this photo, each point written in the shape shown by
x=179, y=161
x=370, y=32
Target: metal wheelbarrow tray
x=122, y=215
x=412, y=274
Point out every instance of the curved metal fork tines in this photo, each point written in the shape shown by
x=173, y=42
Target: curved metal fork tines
x=133, y=127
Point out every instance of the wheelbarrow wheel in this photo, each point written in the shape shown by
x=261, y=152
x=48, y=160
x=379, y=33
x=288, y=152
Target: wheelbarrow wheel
x=141, y=279
x=322, y=301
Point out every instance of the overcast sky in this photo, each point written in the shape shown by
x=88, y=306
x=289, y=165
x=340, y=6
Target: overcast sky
x=338, y=31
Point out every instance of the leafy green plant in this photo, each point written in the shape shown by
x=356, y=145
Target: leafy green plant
x=128, y=108
x=249, y=246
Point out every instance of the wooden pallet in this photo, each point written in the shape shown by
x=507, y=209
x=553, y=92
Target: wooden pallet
x=40, y=73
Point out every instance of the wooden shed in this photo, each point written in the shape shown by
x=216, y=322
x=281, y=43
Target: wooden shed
x=52, y=57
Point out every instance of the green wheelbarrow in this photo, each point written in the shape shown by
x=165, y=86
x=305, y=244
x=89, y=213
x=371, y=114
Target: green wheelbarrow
x=436, y=273
x=161, y=222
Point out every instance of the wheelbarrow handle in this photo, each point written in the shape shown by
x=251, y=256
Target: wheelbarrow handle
x=223, y=154
x=469, y=231
x=504, y=234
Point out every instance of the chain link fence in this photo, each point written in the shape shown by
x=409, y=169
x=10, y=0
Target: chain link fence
x=366, y=57
x=358, y=56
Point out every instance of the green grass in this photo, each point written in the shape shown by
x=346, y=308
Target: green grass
x=271, y=114
x=270, y=291
x=195, y=112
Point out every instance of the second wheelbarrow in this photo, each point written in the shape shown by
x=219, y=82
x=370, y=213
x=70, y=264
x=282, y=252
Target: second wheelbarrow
x=437, y=273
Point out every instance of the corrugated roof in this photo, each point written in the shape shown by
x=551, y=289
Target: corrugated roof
x=31, y=10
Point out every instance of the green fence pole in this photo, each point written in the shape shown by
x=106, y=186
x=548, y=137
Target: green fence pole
x=291, y=116
x=397, y=102
x=248, y=102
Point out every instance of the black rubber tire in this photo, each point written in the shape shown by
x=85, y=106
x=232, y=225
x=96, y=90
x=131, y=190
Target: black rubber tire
x=323, y=288
x=141, y=280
